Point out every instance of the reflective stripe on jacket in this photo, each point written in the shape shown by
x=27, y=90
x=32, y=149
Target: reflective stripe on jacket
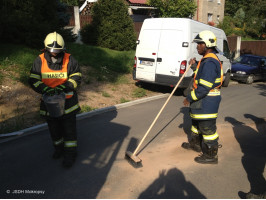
x=218, y=80
x=205, y=96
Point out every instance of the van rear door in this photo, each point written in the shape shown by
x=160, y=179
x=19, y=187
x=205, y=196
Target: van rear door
x=146, y=54
x=170, y=53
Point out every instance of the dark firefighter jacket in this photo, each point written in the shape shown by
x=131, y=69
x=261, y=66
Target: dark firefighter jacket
x=205, y=96
x=65, y=66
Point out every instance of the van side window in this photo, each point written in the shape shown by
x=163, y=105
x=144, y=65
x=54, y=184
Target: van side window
x=226, y=49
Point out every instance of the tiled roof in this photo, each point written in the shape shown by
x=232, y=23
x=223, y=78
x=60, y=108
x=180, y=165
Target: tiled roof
x=138, y=1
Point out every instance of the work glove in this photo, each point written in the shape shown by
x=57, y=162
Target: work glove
x=60, y=88
x=49, y=91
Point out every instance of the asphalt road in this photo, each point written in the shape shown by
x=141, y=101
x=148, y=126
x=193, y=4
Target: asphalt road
x=28, y=171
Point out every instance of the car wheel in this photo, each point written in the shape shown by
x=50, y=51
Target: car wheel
x=226, y=79
x=250, y=79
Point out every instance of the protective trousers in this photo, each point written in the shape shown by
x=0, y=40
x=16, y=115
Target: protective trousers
x=63, y=133
x=206, y=131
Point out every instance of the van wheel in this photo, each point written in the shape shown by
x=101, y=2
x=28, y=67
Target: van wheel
x=250, y=79
x=226, y=79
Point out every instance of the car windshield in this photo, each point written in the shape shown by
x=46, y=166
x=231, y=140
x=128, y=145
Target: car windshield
x=248, y=60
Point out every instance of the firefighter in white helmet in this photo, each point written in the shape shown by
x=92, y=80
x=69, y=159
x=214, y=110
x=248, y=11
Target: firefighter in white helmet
x=55, y=71
x=204, y=99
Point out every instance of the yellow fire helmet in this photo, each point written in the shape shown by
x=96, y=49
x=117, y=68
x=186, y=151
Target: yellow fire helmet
x=208, y=38
x=54, y=43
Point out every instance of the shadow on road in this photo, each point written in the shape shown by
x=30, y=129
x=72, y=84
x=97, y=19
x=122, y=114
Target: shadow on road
x=252, y=143
x=262, y=88
x=153, y=138
x=171, y=185
x=31, y=167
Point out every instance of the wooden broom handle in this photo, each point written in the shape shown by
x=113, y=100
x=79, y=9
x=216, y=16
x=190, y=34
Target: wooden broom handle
x=166, y=102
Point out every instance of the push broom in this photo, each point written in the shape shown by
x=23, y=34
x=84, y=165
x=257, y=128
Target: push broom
x=132, y=157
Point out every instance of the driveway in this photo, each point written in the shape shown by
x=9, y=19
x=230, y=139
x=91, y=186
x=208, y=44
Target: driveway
x=28, y=171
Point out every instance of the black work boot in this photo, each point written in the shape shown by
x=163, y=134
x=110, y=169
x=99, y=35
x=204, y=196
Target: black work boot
x=69, y=158
x=193, y=144
x=59, y=151
x=255, y=196
x=209, y=155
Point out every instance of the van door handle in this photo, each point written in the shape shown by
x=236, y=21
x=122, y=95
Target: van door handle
x=159, y=59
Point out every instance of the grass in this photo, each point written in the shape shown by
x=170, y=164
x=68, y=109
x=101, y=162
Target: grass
x=102, y=59
x=108, y=64
x=123, y=100
x=16, y=59
x=86, y=108
x=105, y=94
x=139, y=92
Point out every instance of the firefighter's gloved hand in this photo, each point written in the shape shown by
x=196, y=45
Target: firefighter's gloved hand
x=60, y=88
x=49, y=91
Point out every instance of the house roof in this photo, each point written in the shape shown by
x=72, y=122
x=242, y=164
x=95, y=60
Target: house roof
x=138, y=1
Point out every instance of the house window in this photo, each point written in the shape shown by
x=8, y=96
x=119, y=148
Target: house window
x=209, y=17
x=218, y=18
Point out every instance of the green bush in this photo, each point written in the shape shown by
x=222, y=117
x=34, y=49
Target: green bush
x=88, y=35
x=111, y=27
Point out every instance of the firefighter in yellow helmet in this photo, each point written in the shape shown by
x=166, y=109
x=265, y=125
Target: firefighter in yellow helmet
x=204, y=99
x=54, y=72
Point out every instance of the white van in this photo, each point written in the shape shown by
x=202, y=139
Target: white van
x=164, y=48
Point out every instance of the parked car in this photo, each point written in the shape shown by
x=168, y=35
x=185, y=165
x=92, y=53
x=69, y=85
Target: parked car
x=249, y=68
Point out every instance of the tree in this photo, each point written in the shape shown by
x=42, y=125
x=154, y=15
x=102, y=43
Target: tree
x=239, y=17
x=173, y=8
x=248, y=17
x=227, y=25
x=111, y=27
x=29, y=21
x=231, y=7
x=70, y=2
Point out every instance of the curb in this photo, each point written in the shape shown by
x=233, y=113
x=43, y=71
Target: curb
x=44, y=126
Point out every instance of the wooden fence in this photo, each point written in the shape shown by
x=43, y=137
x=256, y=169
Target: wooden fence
x=257, y=47
x=253, y=47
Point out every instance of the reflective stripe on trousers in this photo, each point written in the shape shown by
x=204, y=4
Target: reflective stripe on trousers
x=58, y=142
x=70, y=143
x=204, y=116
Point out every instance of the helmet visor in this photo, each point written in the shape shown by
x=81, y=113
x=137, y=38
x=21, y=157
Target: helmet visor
x=198, y=39
x=54, y=47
